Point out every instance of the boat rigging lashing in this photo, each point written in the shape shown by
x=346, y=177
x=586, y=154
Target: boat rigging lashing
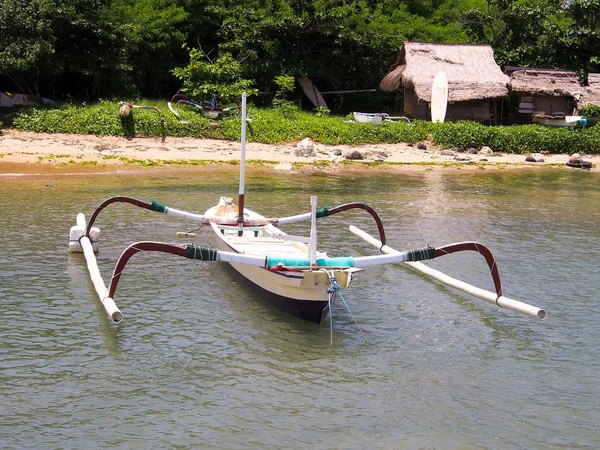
x=332, y=292
x=188, y=234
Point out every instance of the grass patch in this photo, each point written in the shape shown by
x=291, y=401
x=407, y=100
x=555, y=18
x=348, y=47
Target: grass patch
x=269, y=126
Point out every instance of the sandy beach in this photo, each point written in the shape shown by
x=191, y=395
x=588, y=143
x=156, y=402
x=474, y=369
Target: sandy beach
x=31, y=153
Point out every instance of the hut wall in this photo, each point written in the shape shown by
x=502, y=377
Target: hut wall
x=475, y=110
x=413, y=107
x=554, y=106
x=409, y=101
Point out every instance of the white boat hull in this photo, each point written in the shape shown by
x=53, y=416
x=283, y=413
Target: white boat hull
x=373, y=118
x=299, y=292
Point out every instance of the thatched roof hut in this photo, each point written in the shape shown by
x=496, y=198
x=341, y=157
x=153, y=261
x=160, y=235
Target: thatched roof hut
x=592, y=94
x=546, y=92
x=471, y=70
x=545, y=82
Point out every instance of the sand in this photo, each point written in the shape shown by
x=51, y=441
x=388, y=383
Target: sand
x=31, y=153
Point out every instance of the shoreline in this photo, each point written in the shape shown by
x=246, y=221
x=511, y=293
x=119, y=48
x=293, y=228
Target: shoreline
x=28, y=153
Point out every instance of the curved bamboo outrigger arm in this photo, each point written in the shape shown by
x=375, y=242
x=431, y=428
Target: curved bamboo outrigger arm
x=496, y=298
x=328, y=211
x=190, y=251
x=152, y=206
x=483, y=251
x=159, y=207
x=331, y=210
x=116, y=199
x=136, y=248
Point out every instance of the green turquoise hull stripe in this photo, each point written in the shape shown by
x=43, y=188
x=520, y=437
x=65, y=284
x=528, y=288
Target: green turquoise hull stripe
x=343, y=261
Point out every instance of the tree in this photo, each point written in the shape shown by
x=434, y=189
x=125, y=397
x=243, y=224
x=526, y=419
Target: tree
x=26, y=38
x=533, y=33
x=340, y=45
x=581, y=41
x=154, y=33
x=204, y=77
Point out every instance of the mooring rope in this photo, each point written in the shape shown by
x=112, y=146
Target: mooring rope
x=333, y=291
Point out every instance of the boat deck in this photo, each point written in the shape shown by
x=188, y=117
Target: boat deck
x=265, y=246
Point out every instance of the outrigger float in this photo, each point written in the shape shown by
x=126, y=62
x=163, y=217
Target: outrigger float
x=287, y=270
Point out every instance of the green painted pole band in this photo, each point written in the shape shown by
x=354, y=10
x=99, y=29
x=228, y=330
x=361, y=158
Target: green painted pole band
x=158, y=207
x=421, y=254
x=323, y=212
x=201, y=253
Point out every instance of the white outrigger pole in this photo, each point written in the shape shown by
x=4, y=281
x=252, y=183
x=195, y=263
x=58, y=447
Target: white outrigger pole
x=79, y=242
x=501, y=301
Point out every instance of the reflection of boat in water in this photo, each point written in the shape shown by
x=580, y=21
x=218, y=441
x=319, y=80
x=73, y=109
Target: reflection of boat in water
x=287, y=270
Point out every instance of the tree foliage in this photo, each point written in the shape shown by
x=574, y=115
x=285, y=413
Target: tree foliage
x=26, y=36
x=539, y=33
x=204, y=77
x=103, y=48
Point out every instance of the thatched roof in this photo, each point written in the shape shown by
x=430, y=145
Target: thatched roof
x=550, y=82
x=471, y=70
x=592, y=94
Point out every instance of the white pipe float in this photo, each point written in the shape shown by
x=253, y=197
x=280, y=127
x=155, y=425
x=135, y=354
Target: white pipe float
x=108, y=303
x=502, y=301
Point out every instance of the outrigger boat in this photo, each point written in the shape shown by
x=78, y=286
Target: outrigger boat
x=207, y=108
x=287, y=270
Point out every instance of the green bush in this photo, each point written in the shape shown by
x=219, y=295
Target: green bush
x=271, y=126
x=517, y=139
x=537, y=138
x=460, y=134
x=590, y=110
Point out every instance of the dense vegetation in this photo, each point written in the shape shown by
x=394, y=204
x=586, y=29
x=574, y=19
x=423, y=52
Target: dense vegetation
x=270, y=126
x=92, y=49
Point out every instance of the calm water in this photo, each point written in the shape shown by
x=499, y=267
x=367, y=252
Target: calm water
x=201, y=362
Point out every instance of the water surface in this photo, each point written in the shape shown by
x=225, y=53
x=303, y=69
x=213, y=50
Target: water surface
x=200, y=361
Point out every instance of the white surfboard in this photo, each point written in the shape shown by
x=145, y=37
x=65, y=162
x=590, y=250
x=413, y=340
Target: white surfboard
x=312, y=92
x=439, y=97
